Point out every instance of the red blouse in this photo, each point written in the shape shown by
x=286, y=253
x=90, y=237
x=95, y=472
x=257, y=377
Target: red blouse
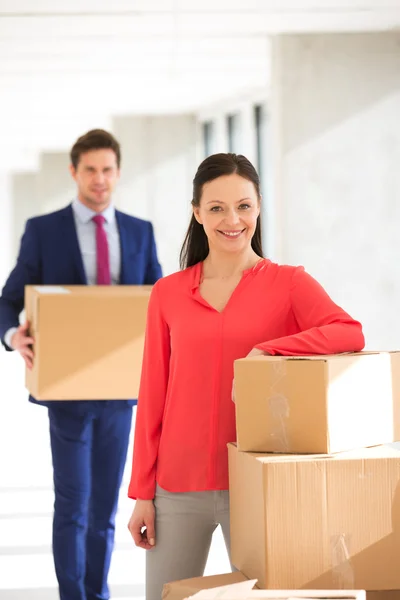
x=185, y=414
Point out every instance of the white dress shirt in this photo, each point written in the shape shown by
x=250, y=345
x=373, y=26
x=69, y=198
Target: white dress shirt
x=86, y=231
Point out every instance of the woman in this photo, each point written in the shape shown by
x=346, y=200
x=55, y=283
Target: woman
x=226, y=302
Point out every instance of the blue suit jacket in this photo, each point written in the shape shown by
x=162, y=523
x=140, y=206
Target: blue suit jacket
x=50, y=255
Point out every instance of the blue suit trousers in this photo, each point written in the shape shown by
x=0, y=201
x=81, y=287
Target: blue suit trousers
x=89, y=442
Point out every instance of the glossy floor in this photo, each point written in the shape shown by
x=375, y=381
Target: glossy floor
x=26, y=499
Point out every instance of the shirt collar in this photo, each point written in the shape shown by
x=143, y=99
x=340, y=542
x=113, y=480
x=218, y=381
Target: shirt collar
x=85, y=214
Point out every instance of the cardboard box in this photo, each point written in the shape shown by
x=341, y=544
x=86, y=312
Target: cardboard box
x=88, y=341
x=244, y=591
x=320, y=404
x=386, y=595
x=179, y=590
x=235, y=586
x=317, y=522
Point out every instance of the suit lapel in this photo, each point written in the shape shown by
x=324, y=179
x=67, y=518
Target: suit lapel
x=124, y=243
x=72, y=245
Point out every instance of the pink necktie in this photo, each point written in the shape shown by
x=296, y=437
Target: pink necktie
x=103, y=260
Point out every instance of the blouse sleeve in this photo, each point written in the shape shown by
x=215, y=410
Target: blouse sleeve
x=324, y=327
x=151, y=401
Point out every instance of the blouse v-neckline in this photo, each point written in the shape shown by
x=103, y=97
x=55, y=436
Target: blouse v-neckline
x=197, y=279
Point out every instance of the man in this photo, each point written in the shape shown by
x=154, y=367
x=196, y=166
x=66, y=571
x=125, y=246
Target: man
x=88, y=242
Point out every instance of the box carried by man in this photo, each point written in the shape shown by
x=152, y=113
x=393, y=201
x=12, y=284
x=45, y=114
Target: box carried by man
x=88, y=341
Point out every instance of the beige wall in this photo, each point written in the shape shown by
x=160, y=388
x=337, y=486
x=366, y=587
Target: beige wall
x=336, y=141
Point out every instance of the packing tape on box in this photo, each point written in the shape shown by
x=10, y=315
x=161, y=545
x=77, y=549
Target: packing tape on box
x=342, y=571
x=279, y=407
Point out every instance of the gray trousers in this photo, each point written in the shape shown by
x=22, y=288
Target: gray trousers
x=184, y=526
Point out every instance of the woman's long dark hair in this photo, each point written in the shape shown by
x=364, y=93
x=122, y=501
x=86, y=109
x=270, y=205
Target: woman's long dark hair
x=195, y=246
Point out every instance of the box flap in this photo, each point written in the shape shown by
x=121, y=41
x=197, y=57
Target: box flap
x=316, y=357
x=234, y=591
x=179, y=590
x=51, y=289
x=245, y=591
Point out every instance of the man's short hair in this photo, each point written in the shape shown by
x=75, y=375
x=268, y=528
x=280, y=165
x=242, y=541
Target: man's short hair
x=96, y=139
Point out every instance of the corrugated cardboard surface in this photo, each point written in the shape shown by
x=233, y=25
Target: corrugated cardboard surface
x=385, y=595
x=88, y=341
x=317, y=522
x=226, y=586
x=306, y=594
x=179, y=590
x=320, y=404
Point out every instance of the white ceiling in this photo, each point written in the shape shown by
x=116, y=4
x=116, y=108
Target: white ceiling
x=68, y=65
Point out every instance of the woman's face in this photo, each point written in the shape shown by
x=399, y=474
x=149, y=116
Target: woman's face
x=228, y=211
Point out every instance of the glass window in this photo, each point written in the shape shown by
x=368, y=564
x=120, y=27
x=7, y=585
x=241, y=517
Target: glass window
x=208, y=138
x=261, y=140
x=260, y=128
x=233, y=132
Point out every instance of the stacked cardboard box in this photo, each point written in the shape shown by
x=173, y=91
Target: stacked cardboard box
x=314, y=479
x=179, y=590
x=235, y=586
x=88, y=341
x=311, y=506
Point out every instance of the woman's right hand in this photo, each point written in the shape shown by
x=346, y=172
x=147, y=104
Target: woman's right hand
x=142, y=524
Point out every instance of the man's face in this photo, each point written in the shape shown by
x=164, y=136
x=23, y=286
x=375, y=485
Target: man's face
x=96, y=176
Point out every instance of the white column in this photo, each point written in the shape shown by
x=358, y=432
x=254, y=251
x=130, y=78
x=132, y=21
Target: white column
x=132, y=194
x=221, y=133
x=55, y=186
x=6, y=226
x=336, y=144
x=159, y=160
x=25, y=203
x=248, y=143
